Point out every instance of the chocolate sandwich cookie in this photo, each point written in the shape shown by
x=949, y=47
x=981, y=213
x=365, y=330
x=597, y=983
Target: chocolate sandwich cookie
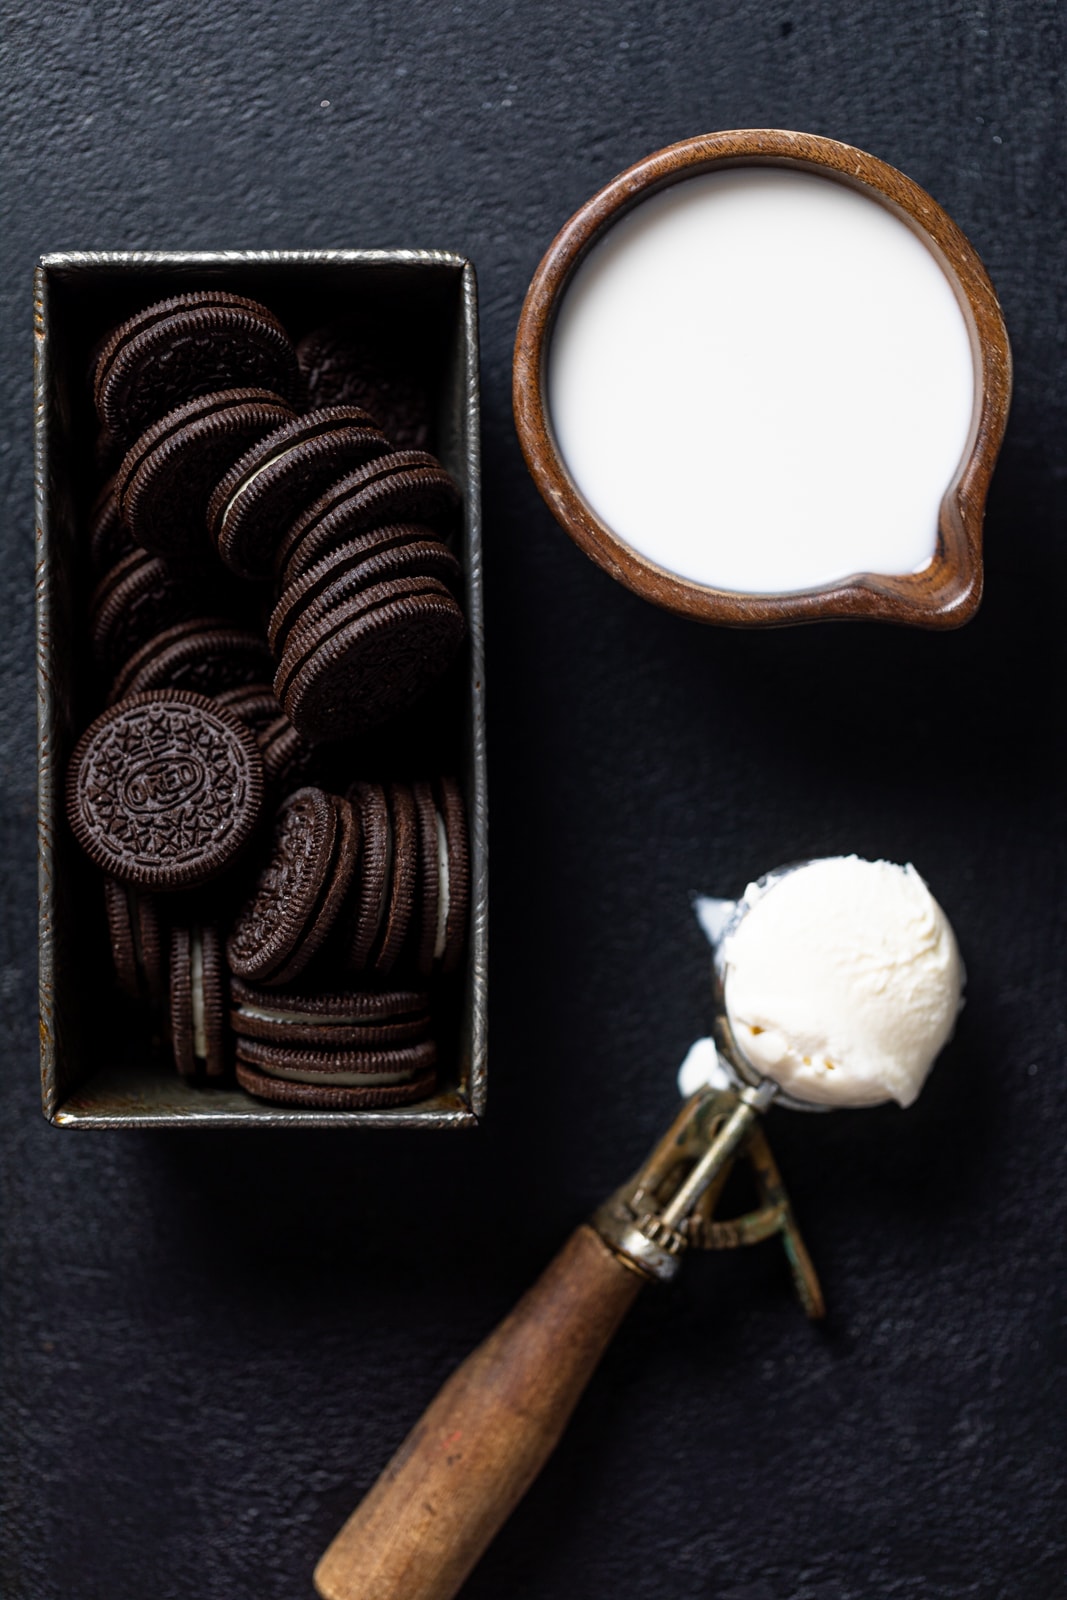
x=363, y=661
x=345, y=364
x=342, y=1020
x=405, y=486
x=168, y=476
x=292, y=596
x=109, y=538
x=301, y=887
x=454, y=908
x=255, y=503
x=442, y=881
x=396, y=920
x=255, y=703
x=206, y=654
x=137, y=598
x=189, y=345
x=432, y=887
x=357, y=1090
x=330, y=522
x=395, y=552
x=164, y=790
x=197, y=1009
x=289, y=762
x=288, y=759
x=137, y=942
x=350, y=1069
x=370, y=892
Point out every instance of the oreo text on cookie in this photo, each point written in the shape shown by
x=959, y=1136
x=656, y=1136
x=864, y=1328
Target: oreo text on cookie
x=165, y=789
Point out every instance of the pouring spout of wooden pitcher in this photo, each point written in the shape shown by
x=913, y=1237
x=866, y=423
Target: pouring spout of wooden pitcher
x=477, y=1449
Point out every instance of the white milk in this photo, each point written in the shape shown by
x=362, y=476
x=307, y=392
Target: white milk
x=762, y=381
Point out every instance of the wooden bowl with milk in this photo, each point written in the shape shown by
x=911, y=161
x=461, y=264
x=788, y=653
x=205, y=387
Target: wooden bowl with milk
x=762, y=378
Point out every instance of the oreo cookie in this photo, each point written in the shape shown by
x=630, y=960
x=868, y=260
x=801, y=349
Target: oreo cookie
x=409, y=903
x=357, y=664
x=337, y=1078
x=272, y=483
x=454, y=905
x=189, y=345
x=288, y=759
x=255, y=703
x=167, y=478
x=205, y=654
x=137, y=942
x=403, y=487
x=137, y=598
x=349, y=1069
x=164, y=790
x=335, y=1020
x=370, y=892
x=298, y=895
x=197, y=1001
x=397, y=913
x=356, y=1090
x=433, y=881
x=109, y=538
x=403, y=551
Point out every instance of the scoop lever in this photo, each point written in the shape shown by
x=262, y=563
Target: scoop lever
x=669, y=1204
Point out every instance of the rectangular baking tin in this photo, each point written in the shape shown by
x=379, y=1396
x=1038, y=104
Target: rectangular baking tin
x=100, y=1067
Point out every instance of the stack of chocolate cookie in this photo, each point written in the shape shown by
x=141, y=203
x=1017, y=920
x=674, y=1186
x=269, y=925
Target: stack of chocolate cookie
x=377, y=880
x=269, y=579
x=366, y=616
x=222, y=472
x=359, y=894
x=344, y=1050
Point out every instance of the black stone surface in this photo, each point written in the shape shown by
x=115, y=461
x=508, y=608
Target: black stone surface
x=212, y=1343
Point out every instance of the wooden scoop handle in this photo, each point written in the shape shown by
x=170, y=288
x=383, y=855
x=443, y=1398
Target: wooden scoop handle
x=465, y=1466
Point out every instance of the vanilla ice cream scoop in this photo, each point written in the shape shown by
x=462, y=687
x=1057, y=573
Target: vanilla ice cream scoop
x=841, y=980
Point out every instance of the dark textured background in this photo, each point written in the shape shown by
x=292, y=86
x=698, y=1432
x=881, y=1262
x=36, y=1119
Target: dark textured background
x=213, y=1342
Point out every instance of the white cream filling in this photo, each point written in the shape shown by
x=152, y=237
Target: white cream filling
x=246, y=483
x=196, y=993
x=331, y=426
x=343, y=1080
x=443, y=887
x=310, y=1019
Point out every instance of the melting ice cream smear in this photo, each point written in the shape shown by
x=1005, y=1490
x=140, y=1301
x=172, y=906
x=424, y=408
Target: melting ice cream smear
x=762, y=381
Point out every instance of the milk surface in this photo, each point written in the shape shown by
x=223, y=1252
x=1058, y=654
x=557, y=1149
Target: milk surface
x=762, y=381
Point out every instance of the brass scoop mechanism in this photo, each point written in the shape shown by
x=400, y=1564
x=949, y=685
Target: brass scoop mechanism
x=669, y=1204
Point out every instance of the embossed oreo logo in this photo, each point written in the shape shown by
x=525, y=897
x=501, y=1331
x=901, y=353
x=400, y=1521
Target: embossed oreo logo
x=163, y=783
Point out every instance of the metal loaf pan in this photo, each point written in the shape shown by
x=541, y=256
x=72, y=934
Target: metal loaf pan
x=101, y=1066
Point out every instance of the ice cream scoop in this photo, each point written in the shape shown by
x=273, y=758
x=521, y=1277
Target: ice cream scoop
x=849, y=963
x=838, y=979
